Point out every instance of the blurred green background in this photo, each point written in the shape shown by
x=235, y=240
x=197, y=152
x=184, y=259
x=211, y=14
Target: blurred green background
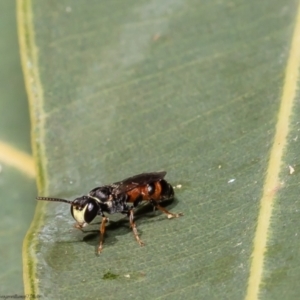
x=17, y=189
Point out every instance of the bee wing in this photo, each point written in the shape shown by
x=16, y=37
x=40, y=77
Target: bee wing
x=137, y=180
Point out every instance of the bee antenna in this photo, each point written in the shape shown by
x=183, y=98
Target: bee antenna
x=53, y=199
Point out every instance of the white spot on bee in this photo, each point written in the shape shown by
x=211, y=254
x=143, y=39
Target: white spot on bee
x=98, y=200
x=109, y=203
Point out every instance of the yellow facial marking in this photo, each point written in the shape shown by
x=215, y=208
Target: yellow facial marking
x=79, y=215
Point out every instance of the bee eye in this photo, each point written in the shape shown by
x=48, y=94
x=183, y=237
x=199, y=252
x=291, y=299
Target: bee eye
x=90, y=207
x=91, y=211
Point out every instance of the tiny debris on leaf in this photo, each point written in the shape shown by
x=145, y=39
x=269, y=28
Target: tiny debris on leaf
x=110, y=276
x=292, y=170
x=156, y=37
x=178, y=186
x=231, y=180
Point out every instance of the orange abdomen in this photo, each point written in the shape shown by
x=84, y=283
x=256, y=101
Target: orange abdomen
x=159, y=190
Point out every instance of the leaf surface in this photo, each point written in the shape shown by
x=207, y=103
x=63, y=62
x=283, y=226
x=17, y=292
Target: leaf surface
x=124, y=87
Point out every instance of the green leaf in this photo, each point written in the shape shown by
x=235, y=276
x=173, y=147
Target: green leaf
x=123, y=87
x=17, y=186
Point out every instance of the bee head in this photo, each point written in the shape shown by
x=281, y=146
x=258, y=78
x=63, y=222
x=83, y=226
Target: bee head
x=84, y=209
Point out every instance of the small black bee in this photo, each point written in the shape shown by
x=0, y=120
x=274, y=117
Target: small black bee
x=117, y=198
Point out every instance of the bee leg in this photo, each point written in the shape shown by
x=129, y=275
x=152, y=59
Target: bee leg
x=102, y=232
x=78, y=226
x=133, y=226
x=169, y=214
